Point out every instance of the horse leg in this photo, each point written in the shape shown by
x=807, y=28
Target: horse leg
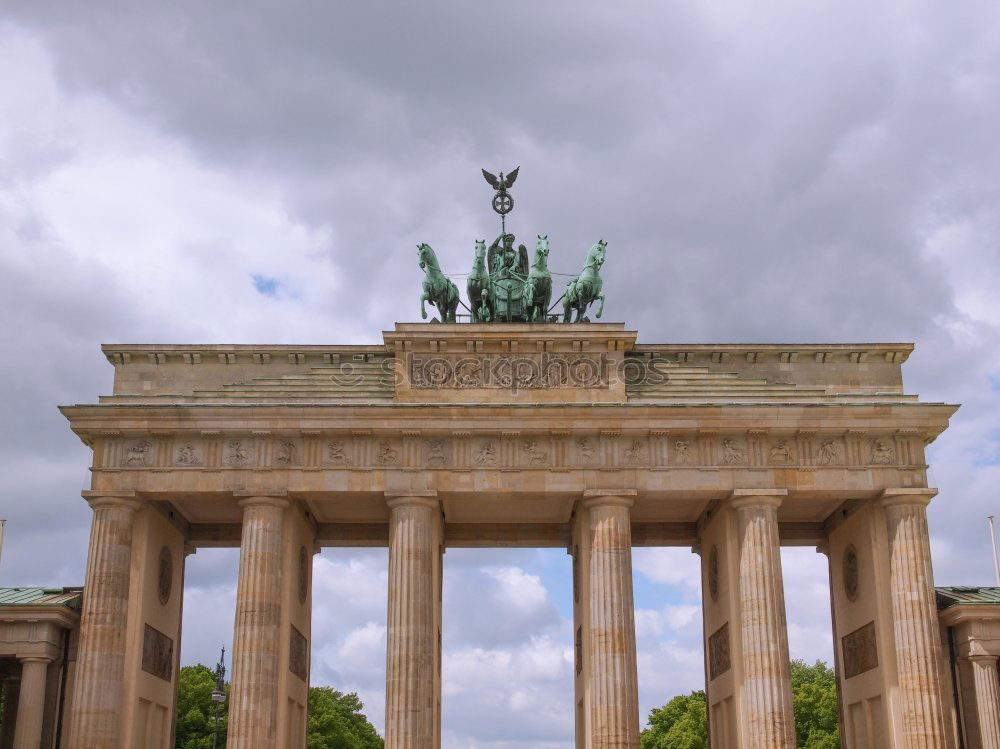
x=567, y=310
x=423, y=312
x=600, y=310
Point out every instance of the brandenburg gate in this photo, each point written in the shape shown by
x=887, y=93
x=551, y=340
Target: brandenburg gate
x=501, y=434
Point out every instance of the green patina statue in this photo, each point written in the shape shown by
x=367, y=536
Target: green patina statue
x=501, y=286
x=585, y=289
x=538, y=289
x=479, y=287
x=438, y=288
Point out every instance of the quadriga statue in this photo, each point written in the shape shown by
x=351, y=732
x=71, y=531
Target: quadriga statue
x=585, y=289
x=437, y=288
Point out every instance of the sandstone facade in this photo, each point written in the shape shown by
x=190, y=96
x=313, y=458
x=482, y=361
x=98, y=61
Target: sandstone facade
x=571, y=436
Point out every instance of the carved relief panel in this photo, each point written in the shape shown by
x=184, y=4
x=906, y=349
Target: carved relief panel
x=718, y=652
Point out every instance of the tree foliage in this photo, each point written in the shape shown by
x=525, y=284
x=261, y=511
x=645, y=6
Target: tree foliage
x=814, y=699
x=335, y=720
x=683, y=722
x=196, y=710
x=680, y=724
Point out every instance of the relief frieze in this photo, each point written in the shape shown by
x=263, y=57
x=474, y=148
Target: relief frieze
x=188, y=453
x=860, y=651
x=607, y=450
x=298, y=653
x=509, y=371
x=718, y=652
x=157, y=654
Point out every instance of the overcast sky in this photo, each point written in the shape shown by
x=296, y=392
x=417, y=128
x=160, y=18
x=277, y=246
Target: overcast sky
x=260, y=172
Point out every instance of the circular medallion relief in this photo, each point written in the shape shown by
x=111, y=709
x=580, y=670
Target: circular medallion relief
x=165, y=575
x=713, y=573
x=851, y=575
x=303, y=574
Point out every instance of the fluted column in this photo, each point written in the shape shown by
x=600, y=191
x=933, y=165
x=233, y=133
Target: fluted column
x=914, y=613
x=31, y=703
x=410, y=661
x=257, y=636
x=95, y=718
x=985, y=679
x=767, y=684
x=614, y=689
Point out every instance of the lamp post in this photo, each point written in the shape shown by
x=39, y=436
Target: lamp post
x=219, y=693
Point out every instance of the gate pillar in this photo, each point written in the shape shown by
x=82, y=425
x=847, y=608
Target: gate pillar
x=413, y=638
x=271, y=638
x=126, y=674
x=95, y=717
x=749, y=684
x=915, y=623
x=607, y=693
x=885, y=618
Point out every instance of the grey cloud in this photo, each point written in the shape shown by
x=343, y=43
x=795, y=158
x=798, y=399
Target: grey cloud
x=761, y=174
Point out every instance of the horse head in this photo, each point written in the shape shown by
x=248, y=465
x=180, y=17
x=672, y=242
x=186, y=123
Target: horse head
x=480, y=250
x=425, y=253
x=541, y=250
x=595, y=256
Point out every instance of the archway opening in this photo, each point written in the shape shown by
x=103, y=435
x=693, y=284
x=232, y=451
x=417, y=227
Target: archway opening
x=507, y=648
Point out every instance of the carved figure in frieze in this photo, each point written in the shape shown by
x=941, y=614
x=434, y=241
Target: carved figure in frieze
x=286, y=453
x=525, y=373
x=386, y=454
x=438, y=373
x=138, y=453
x=468, y=373
x=535, y=455
x=335, y=452
x=732, y=454
x=781, y=452
x=187, y=455
x=881, y=453
x=555, y=372
x=682, y=452
x=585, y=372
x=435, y=453
x=585, y=449
x=486, y=455
x=829, y=452
x=635, y=454
x=238, y=454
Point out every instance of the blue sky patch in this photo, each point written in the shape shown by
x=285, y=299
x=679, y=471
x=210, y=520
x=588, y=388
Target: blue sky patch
x=265, y=285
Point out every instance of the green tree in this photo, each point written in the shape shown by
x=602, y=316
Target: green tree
x=196, y=710
x=814, y=699
x=683, y=722
x=336, y=722
x=680, y=724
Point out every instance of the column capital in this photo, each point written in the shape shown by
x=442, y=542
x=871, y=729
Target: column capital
x=609, y=497
x=756, y=498
x=125, y=500
x=919, y=497
x=415, y=498
x=35, y=659
x=256, y=499
x=984, y=658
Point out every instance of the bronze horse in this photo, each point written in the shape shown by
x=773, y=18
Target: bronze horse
x=585, y=289
x=538, y=289
x=437, y=288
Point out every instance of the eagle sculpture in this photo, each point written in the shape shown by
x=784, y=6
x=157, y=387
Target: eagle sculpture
x=500, y=183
